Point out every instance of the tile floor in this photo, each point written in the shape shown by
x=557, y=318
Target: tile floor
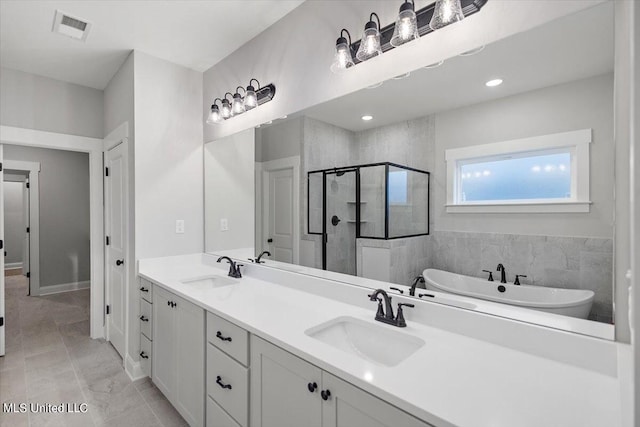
x=51, y=359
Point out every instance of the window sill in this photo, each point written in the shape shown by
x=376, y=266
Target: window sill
x=553, y=207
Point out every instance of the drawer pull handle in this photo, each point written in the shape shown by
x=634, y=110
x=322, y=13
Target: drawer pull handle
x=221, y=384
x=144, y=356
x=143, y=289
x=312, y=387
x=326, y=394
x=219, y=336
x=144, y=319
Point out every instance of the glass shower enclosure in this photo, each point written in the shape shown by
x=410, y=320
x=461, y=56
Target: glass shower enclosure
x=373, y=201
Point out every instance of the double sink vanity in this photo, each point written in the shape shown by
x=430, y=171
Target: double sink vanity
x=278, y=348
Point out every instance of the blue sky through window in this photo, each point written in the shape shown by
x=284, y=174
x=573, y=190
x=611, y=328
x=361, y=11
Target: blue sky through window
x=398, y=187
x=546, y=176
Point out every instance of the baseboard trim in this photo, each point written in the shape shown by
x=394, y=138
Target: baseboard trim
x=133, y=369
x=12, y=265
x=64, y=287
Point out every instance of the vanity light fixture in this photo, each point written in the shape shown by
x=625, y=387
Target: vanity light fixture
x=370, y=45
x=236, y=104
x=376, y=40
x=446, y=12
x=493, y=83
x=406, y=28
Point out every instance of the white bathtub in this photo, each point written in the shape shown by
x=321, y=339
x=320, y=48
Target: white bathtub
x=568, y=302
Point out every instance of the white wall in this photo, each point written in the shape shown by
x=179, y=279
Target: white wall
x=64, y=213
x=577, y=105
x=13, y=223
x=230, y=192
x=168, y=158
x=35, y=102
x=295, y=53
x=280, y=140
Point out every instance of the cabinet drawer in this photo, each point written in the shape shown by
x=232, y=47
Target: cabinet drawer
x=228, y=337
x=146, y=290
x=217, y=417
x=145, y=355
x=146, y=319
x=228, y=384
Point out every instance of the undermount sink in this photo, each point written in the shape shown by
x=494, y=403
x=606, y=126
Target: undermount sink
x=213, y=281
x=375, y=343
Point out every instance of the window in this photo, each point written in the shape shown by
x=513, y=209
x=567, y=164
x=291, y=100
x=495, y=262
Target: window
x=542, y=174
x=398, y=187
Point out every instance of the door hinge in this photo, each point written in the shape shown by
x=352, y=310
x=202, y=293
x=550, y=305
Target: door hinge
x=108, y=309
x=106, y=171
x=27, y=229
x=1, y=244
x=106, y=240
x=29, y=274
x=1, y=321
x=28, y=185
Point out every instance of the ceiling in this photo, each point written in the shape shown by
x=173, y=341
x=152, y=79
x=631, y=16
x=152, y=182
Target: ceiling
x=565, y=50
x=195, y=34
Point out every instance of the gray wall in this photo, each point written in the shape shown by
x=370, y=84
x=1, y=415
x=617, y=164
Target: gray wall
x=64, y=213
x=13, y=222
x=280, y=140
x=35, y=102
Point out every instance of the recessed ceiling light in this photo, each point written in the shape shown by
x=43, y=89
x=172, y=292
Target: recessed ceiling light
x=367, y=117
x=401, y=76
x=494, y=83
x=434, y=65
x=375, y=85
x=473, y=51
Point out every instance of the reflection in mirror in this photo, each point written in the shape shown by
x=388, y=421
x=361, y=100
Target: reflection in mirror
x=371, y=198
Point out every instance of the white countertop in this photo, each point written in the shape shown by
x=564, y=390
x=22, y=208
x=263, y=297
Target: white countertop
x=453, y=380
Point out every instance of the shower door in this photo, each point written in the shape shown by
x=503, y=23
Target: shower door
x=341, y=215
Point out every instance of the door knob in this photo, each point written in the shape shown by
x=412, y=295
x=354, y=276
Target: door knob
x=119, y=262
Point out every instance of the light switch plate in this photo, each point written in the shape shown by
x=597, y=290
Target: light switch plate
x=180, y=226
x=224, y=224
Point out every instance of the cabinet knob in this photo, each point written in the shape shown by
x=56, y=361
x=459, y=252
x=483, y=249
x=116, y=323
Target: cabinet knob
x=223, y=338
x=312, y=387
x=144, y=356
x=221, y=384
x=326, y=394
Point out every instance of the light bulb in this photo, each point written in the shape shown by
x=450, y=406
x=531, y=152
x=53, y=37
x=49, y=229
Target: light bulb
x=237, y=107
x=406, y=28
x=342, y=58
x=370, y=44
x=250, y=98
x=226, y=109
x=446, y=12
x=214, y=115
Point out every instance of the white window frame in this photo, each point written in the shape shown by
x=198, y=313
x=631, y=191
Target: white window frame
x=578, y=143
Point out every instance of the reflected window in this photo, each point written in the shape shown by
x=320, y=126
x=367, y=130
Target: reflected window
x=398, y=187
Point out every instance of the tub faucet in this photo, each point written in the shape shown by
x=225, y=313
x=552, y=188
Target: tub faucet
x=418, y=278
x=503, y=274
x=259, y=258
x=234, y=269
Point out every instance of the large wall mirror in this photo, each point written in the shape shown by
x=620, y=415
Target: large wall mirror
x=495, y=163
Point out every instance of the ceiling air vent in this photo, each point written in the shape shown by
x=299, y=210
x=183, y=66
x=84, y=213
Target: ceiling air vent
x=70, y=26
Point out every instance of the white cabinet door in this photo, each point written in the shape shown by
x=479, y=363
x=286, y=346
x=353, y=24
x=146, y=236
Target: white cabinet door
x=164, y=346
x=280, y=394
x=348, y=406
x=190, y=353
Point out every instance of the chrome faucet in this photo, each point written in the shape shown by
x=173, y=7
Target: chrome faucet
x=386, y=315
x=503, y=274
x=234, y=269
x=418, y=278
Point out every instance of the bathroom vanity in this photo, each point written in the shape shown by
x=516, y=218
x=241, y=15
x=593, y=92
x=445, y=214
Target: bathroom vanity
x=277, y=348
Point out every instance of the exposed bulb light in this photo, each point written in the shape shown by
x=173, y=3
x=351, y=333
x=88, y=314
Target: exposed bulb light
x=493, y=83
x=214, y=114
x=367, y=117
x=250, y=97
x=370, y=44
x=237, y=106
x=406, y=28
x=226, y=107
x=446, y=12
x=342, y=58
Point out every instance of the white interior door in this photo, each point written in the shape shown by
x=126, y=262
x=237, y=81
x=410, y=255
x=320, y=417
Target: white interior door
x=281, y=215
x=25, y=212
x=115, y=255
x=2, y=327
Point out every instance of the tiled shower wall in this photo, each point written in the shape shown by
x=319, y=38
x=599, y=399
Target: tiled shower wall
x=561, y=262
